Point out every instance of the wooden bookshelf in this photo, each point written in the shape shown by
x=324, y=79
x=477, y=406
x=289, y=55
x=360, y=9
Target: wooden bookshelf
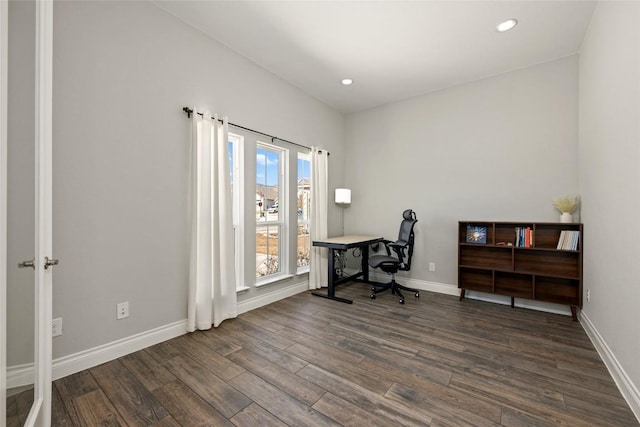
x=538, y=271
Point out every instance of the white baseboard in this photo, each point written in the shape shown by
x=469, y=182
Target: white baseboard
x=445, y=288
x=22, y=375
x=448, y=289
x=80, y=361
x=625, y=385
x=86, y=359
x=422, y=285
x=271, y=297
x=19, y=375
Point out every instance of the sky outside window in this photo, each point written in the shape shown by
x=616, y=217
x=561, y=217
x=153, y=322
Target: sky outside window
x=304, y=169
x=267, y=167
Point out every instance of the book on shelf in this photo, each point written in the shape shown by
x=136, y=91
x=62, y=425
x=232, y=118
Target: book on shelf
x=531, y=240
x=569, y=240
x=560, y=240
x=524, y=237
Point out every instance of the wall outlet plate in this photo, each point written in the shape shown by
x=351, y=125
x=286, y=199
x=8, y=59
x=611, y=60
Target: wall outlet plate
x=122, y=310
x=56, y=327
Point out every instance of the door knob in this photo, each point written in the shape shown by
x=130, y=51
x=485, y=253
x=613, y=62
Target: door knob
x=25, y=264
x=48, y=262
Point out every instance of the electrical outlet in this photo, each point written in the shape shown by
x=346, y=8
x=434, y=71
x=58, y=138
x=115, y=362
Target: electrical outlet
x=588, y=295
x=122, y=310
x=56, y=327
x=432, y=266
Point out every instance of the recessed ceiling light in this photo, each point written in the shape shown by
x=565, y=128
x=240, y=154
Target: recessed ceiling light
x=507, y=25
x=347, y=82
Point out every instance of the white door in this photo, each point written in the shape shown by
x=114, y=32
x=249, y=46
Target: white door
x=25, y=213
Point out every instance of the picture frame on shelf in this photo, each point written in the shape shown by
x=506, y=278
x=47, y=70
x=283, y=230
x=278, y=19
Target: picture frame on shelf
x=476, y=234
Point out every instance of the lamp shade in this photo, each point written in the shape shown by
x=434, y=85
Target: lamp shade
x=343, y=196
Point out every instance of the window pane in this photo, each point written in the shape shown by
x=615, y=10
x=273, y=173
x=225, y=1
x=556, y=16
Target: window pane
x=303, y=211
x=268, y=212
x=268, y=183
x=267, y=250
x=304, y=246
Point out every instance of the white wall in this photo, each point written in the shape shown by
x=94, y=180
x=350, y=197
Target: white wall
x=496, y=149
x=122, y=73
x=609, y=154
x=21, y=183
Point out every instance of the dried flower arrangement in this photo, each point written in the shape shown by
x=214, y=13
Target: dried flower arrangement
x=566, y=204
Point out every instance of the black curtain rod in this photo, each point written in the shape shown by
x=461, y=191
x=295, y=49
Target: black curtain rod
x=189, y=112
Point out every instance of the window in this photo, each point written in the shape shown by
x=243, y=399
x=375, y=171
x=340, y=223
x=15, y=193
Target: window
x=280, y=199
x=271, y=210
x=303, y=202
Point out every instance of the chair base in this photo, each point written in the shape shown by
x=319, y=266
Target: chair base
x=395, y=290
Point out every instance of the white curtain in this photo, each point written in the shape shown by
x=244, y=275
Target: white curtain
x=319, y=206
x=212, y=282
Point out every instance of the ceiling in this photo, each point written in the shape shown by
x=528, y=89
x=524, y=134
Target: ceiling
x=393, y=50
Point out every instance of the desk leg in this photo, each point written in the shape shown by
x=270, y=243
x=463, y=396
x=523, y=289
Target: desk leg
x=365, y=263
x=331, y=290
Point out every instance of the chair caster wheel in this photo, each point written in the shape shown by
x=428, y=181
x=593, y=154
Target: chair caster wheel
x=402, y=301
x=373, y=288
x=417, y=294
x=372, y=296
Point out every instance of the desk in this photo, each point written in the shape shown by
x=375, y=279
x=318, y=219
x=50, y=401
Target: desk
x=342, y=244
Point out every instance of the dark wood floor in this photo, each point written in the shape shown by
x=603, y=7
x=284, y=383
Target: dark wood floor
x=19, y=402
x=308, y=361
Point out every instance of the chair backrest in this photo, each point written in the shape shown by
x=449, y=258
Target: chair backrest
x=406, y=239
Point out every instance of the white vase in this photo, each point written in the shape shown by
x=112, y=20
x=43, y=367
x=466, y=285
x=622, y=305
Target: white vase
x=566, y=217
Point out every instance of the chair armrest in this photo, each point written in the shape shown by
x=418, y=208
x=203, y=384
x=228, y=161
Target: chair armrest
x=386, y=244
x=397, y=244
x=399, y=247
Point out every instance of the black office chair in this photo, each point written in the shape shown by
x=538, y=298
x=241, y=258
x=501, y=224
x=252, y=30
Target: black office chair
x=403, y=249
